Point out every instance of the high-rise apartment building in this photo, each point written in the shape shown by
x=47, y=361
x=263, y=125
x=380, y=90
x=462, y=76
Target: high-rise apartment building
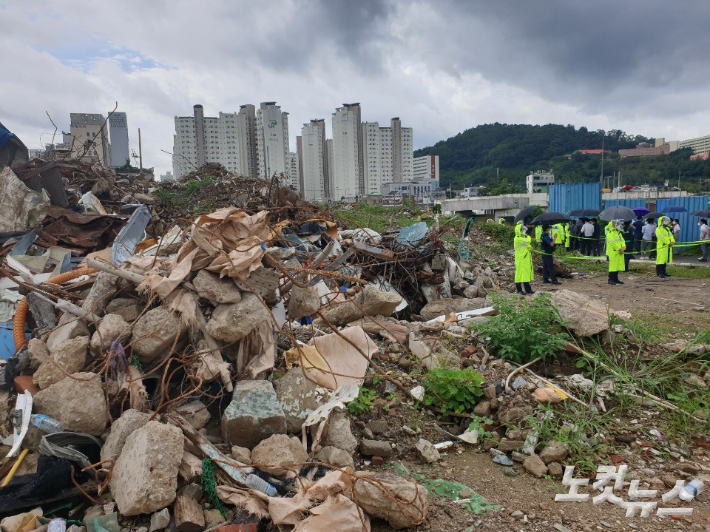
x=388, y=155
x=246, y=138
x=294, y=174
x=199, y=140
x=90, y=138
x=348, y=165
x=698, y=145
x=118, y=133
x=314, y=159
x=272, y=141
x=426, y=170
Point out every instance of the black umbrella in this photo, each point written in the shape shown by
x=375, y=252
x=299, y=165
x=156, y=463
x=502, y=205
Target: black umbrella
x=701, y=214
x=617, y=213
x=527, y=211
x=653, y=215
x=675, y=208
x=583, y=212
x=550, y=218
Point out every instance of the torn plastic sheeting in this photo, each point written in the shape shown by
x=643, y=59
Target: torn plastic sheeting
x=413, y=234
x=320, y=415
x=21, y=208
x=23, y=410
x=466, y=314
x=9, y=300
x=58, y=256
x=91, y=204
x=363, y=235
x=130, y=235
x=332, y=361
x=167, y=245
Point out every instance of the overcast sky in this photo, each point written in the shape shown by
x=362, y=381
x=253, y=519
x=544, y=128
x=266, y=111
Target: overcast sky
x=443, y=66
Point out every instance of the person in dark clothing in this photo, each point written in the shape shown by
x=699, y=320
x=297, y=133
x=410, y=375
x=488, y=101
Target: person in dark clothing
x=637, y=228
x=597, y=236
x=629, y=234
x=575, y=228
x=548, y=248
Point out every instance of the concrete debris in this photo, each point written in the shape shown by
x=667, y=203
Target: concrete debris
x=22, y=209
x=375, y=448
x=145, y=476
x=277, y=455
x=535, y=466
x=400, y=502
x=298, y=397
x=159, y=520
x=303, y=302
x=155, y=333
x=231, y=323
x=444, y=307
x=68, y=357
x=195, y=413
x=113, y=328
x=216, y=290
x=121, y=429
x=129, y=309
x=339, y=434
x=241, y=454
x=68, y=327
x=427, y=451
x=583, y=315
x=335, y=457
x=77, y=402
x=554, y=452
x=253, y=414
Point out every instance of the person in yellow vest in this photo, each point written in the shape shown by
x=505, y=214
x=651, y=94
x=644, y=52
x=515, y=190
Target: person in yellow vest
x=568, y=235
x=501, y=221
x=615, y=249
x=523, y=260
x=538, y=232
x=559, y=231
x=664, y=246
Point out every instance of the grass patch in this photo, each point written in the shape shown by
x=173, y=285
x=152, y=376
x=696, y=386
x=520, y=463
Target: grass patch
x=376, y=217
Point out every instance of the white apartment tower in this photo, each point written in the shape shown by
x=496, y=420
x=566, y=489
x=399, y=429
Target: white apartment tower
x=348, y=172
x=90, y=138
x=272, y=141
x=314, y=159
x=118, y=131
x=246, y=141
x=200, y=139
x=426, y=170
x=388, y=154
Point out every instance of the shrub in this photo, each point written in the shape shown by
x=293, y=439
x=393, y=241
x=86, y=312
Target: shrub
x=452, y=390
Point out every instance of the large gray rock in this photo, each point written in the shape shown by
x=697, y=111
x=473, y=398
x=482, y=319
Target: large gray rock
x=145, y=476
x=297, y=396
x=230, y=323
x=444, y=307
x=216, y=290
x=370, y=302
x=104, y=287
x=279, y=450
x=38, y=353
x=400, y=502
x=554, y=452
x=335, y=457
x=112, y=327
x=69, y=357
x=154, y=334
x=303, y=302
x=129, y=309
x=130, y=421
x=253, y=414
x=375, y=448
x=69, y=327
x=77, y=402
x=584, y=315
x=339, y=434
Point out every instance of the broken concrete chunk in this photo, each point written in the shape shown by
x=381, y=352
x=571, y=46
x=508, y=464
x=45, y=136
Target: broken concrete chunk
x=444, y=307
x=68, y=358
x=338, y=432
x=427, y=451
x=69, y=326
x=188, y=515
x=535, y=466
x=400, y=502
x=154, y=334
x=159, y=520
x=241, y=454
x=303, y=302
x=112, y=328
x=145, y=476
x=335, y=457
x=129, y=309
x=127, y=424
x=375, y=448
x=218, y=291
x=104, y=287
x=195, y=413
x=230, y=323
x=554, y=452
x=38, y=353
x=253, y=414
x=297, y=396
x=77, y=402
x=584, y=315
x=279, y=450
x=370, y=302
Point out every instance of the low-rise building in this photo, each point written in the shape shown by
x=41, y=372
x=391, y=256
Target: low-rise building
x=645, y=149
x=539, y=180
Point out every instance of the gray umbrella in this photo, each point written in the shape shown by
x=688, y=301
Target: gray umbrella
x=617, y=213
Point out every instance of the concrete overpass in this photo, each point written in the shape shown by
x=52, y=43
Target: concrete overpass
x=493, y=206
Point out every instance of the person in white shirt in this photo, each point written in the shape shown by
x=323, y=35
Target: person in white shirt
x=676, y=235
x=704, y=237
x=647, y=232
x=587, y=233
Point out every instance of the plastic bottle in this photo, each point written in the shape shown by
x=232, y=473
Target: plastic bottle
x=259, y=484
x=46, y=423
x=691, y=490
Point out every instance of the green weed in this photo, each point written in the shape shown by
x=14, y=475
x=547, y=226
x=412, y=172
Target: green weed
x=452, y=390
x=363, y=402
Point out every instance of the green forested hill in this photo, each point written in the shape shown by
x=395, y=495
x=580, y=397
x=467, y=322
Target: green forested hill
x=478, y=155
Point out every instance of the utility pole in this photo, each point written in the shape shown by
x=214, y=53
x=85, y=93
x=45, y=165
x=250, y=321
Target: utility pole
x=601, y=176
x=678, y=179
x=140, y=150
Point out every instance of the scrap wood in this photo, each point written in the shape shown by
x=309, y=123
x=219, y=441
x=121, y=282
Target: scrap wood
x=372, y=251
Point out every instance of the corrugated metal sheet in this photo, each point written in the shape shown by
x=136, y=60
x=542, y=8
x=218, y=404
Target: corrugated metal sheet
x=567, y=197
x=689, y=231
x=630, y=203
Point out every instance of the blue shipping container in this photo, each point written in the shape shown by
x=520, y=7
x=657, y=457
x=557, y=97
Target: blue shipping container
x=568, y=197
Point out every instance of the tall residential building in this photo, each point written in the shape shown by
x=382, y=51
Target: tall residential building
x=388, y=155
x=272, y=141
x=348, y=165
x=90, y=138
x=118, y=132
x=199, y=140
x=246, y=138
x=294, y=175
x=426, y=170
x=314, y=158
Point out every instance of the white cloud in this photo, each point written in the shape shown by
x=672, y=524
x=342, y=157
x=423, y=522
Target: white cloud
x=441, y=66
